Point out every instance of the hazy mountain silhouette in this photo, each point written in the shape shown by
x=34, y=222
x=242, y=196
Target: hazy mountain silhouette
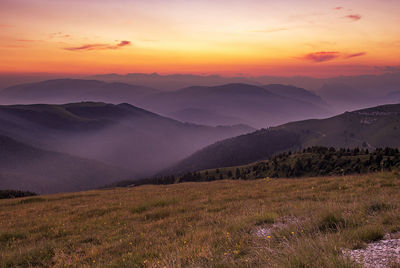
x=24, y=167
x=121, y=135
x=296, y=93
x=220, y=105
x=346, y=93
x=241, y=103
x=72, y=90
x=205, y=117
x=367, y=128
x=370, y=88
x=13, y=79
x=172, y=81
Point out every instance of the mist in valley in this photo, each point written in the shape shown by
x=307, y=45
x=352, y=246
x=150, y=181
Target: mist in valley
x=161, y=122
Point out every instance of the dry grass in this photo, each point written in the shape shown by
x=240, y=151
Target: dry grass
x=202, y=224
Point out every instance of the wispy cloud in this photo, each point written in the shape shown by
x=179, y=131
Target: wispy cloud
x=353, y=17
x=4, y=25
x=89, y=47
x=59, y=35
x=321, y=56
x=330, y=55
x=272, y=30
x=354, y=55
x=338, y=8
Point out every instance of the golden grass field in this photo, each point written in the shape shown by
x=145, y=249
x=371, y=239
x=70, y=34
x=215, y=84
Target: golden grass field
x=212, y=224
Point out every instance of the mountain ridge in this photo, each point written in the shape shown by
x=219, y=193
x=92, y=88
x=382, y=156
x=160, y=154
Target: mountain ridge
x=367, y=128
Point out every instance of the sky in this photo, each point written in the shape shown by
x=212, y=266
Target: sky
x=228, y=37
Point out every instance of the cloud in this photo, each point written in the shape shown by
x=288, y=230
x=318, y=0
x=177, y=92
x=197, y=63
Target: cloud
x=89, y=47
x=353, y=17
x=338, y=8
x=273, y=30
x=124, y=43
x=359, y=54
x=330, y=55
x=321, y=56
x=4, y=26
x=59, y=35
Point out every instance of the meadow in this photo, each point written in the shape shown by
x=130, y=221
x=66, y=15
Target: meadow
x=229, y=223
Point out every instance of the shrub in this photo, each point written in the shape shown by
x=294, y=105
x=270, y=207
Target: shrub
x=331, y=222
x=369, y=234
x=266, y=218
x=377, y=207
x=139, y=209
x=6, y=237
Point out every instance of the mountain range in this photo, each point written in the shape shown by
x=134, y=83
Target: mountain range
x=371, y=89
x=120, y=135
x=258, y=106
x=58, y=91
x=103, y=136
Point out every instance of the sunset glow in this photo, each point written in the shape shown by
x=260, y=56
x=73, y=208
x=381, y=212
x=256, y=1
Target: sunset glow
x=254, y=37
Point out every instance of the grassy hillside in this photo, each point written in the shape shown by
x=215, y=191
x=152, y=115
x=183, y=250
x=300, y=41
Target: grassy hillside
x=264, y=223
x=238, y=150
x=310, y=162
x=369, y=129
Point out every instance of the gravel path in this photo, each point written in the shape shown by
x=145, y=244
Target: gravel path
x=380, y=254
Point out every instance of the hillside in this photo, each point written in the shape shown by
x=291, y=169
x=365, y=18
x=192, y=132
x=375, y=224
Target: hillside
x=73, y=90
x=247, y=104
x=369, y=128
x=260, y=223
x=311, y=162
x=121, y=135
x=24, y=167
x=237, y=151
x=297, y=93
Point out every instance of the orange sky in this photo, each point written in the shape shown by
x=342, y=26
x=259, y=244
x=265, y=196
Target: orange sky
x=252, y=37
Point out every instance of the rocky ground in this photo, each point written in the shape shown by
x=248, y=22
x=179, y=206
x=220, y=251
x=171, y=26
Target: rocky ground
x=381, y=254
